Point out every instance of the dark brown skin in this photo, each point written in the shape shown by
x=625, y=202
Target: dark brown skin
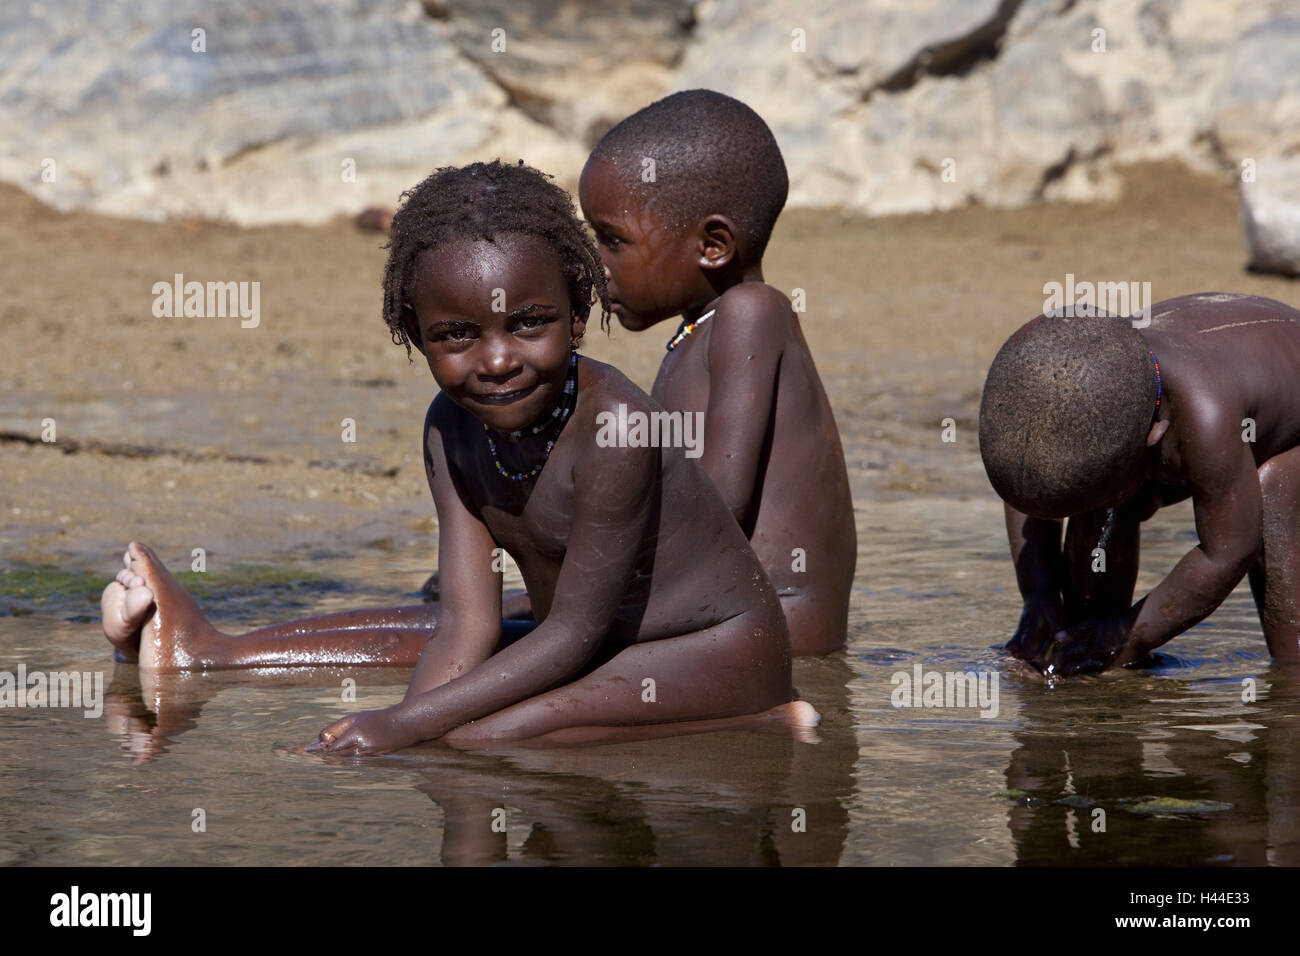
x=634, y=568
x=770, y=441
x=1222, y=359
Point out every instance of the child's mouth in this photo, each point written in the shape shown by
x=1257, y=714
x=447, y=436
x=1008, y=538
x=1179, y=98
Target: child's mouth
x=502, y=398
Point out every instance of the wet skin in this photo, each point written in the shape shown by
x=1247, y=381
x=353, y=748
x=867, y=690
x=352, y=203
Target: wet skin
x=770, y=442
x=1222, y=359
x=634, y=568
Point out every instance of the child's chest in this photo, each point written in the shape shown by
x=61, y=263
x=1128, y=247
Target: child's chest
x=530, y=518
x=682, y=383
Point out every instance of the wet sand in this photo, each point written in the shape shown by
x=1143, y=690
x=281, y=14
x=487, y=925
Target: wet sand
x=196, y=433
x=903, y=314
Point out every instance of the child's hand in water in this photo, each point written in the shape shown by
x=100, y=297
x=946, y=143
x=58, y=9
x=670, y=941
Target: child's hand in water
x=1040, y=622
x=369, y=732
x=1089, y=646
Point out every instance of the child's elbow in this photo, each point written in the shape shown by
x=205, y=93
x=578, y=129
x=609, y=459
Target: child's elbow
x=1232, y=560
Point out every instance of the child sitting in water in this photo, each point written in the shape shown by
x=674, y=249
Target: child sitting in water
x=651, y=607
x=683, y=196
x=1092, y=420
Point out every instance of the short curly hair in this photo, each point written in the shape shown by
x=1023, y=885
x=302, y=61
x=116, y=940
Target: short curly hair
x=1066, y=409
x=479, y=202
x=713, y=155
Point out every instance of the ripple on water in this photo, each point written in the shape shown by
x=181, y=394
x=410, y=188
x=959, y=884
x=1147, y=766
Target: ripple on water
x=1182, y=768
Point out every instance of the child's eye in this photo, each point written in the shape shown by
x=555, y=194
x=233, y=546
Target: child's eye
x=609, y=241
x=454, y=333
x=531, y=319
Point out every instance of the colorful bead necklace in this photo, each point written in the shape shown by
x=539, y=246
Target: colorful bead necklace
x=686, y=330
x=1160, y=388
x=559, y=415
x=562, y=410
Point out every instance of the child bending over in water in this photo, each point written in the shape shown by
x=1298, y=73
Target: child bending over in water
x=1092, y=420
x=689, y=240
x=635, y=569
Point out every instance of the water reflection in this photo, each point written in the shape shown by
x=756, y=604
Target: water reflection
x=1194, y=776
x=883, y=786
x=736, y=798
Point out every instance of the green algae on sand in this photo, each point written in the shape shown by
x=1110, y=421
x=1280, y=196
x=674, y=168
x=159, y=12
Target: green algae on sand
x=23, y=590
x=1174, y=805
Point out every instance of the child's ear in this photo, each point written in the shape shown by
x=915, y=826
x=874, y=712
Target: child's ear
x=577, y=329
x=717, y=242
x=412, y=325
x=1157, y=432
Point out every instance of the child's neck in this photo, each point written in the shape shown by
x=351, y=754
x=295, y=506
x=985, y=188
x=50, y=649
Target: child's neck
x=548, y=426
x=751, y=273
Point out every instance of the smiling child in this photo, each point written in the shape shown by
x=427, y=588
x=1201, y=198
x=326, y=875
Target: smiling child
x=650, y=607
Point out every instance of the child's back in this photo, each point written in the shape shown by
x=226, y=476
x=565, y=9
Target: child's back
x=772, y=449
x=1091, y=419
x=683, y=196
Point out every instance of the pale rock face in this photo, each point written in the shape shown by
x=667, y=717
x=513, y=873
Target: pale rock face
x=251, y=120
x=1270, y=216
x=1257, y=110
x=572, y=66
x=880, y=108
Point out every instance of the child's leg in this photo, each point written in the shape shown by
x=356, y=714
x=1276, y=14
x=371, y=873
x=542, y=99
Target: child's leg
x=731, y=675
x=816, y=626
x=1092, y=593
x=1275, y=578
x=147, y=613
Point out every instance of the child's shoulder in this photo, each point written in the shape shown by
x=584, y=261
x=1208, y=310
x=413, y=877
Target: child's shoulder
x=1192, y=317
x=603, y=388
x=756, y=300
x=1225, y=339
x=443, y=415
x=753, y=316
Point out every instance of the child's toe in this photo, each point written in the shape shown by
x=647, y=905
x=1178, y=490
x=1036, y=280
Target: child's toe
x=112, y=597
x=137, y=604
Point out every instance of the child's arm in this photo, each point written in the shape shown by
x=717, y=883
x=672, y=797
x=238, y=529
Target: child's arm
x=612, y=506
x=468, y=628
x=469, y=623
x=1229, y=512
x=743, y=360
x=1036, y=554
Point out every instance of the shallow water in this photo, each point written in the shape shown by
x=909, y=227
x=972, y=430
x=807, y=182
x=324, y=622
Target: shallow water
x=883, y=785
x=904, y=317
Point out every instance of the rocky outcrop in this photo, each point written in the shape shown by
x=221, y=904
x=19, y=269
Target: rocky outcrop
x=263, y=111
x=300, y=110
x=1270, y=216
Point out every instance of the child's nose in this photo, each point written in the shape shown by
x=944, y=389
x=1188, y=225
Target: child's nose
x=498, y=358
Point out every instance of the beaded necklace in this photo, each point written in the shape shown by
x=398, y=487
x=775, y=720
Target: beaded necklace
x=559, y=415
x=686, y=330
x=1160, y=388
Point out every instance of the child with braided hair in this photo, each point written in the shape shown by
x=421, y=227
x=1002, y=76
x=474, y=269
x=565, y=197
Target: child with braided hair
x=637, y=575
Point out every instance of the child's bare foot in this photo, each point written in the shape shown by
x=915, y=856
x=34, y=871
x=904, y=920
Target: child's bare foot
x=124, y=606
x=175, y=637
